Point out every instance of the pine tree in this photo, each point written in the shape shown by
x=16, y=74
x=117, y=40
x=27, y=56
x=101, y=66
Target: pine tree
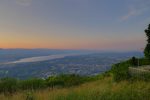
x=147, y=48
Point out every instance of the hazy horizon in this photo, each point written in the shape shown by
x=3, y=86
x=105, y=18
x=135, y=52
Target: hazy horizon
x=100, y=25
x=82, y=50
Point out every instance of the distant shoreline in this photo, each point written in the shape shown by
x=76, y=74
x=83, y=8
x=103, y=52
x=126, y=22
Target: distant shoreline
x=42, y=58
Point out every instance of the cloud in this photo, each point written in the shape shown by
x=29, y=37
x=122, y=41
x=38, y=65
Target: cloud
x=24, y=2
x=136, y=9
x=132, y=12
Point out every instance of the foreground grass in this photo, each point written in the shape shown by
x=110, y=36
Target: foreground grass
x=102, y=89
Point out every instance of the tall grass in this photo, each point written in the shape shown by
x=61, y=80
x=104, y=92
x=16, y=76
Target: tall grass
x=12, y=85
x=103, y=89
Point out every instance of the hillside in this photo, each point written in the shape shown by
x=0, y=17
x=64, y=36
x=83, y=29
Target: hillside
x=102, y=89
x=120, y=83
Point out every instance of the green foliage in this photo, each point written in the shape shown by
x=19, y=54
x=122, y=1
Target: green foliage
x=30, y=96
x=109, y=90
x=134, y=61
x=144, y=61
x=147, y=51
x=124, y=93
x=8, y=85
x=64, y=80
x=147, y=48
x=104, y=89
x=144, y=77
x=32, y=84
x=120, y=71
x=139, y=62
x=71, y=80
x=53, y=81
x=11, y=85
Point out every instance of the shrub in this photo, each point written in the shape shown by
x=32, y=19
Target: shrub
x=120, y=71
x=54, y=81
x=144, y=61
x=71, y=80
x=8, y=85
x=64, y=80
x=32, y=84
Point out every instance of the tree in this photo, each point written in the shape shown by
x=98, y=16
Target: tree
x=147, y=48
x=134, y=61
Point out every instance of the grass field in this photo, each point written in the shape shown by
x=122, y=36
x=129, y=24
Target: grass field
x=102, y=89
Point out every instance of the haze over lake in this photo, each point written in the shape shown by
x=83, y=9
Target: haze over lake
x=24, y=64
x=42, y=58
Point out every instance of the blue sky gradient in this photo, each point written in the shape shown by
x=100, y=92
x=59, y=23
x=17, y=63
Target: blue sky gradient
x=74, y=24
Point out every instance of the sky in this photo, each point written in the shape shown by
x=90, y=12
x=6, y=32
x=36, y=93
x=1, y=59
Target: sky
x=112, y=25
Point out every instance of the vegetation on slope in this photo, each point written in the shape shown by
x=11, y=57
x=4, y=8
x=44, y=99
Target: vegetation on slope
x=120, y=71
x=12, y=85
x=102, y=89
x=113, y=85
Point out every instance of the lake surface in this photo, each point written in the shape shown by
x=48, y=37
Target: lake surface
x=42, y=58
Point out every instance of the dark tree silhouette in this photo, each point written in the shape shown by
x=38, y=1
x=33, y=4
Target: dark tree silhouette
x=147, y=48
x=134, y=61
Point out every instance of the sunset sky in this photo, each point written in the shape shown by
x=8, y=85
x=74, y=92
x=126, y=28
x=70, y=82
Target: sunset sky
x=74, y=24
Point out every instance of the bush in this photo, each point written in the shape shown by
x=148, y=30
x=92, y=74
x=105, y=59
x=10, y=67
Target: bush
x=32, y=84
x=144, y=61
x=120, y=71
x=64, y=80
x=71, y=80
x=54, y=81
x=8, y=85
x=11, y=85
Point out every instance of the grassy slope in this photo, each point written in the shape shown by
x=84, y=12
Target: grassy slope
x=102, y=89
